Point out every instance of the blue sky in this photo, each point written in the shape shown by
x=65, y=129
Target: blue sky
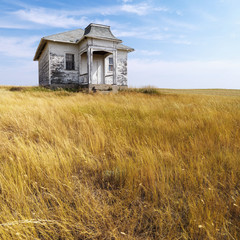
x=178, y=43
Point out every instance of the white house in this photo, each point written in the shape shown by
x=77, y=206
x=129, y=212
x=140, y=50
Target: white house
x=92, y=58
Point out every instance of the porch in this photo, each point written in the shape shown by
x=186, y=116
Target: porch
x=97, y=67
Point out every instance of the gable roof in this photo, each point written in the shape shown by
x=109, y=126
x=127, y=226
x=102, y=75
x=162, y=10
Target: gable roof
x=69, y=37
x=75, y=36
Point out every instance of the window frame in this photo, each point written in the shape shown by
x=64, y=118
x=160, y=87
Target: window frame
x=110, y=64
x=67, y=62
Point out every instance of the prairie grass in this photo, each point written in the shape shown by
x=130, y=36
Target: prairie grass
x=123, y=166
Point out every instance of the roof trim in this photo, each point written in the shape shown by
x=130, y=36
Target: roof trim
x=40, y=49
x=43, y=43
x=93, y=31
x=125, y=48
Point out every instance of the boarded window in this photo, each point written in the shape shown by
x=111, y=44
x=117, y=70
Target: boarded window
x=70, y=62
x=110, y=64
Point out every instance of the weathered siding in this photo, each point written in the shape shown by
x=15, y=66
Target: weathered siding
x=83, y=45
x=58, y=72
x=52, y=64
x=108, y=74
x=83, y=64
x=102, y=43
x=43, y=66
x=83, y=78
x=121, y=68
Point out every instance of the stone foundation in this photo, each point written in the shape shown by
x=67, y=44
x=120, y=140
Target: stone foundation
x=88, y=87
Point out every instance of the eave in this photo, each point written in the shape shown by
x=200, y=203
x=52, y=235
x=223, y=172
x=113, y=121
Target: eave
x=40, y=49
x=44, y=41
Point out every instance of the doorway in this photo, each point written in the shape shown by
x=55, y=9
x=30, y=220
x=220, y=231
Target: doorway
x=98, y=69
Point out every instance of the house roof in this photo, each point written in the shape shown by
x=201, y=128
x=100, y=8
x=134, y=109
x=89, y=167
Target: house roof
x=75, y=36
x=100, y=31
x=124, y=47
x=70, y=37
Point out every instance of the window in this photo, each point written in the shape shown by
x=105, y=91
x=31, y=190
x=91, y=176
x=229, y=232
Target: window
x=110, y=64
x=70, y=61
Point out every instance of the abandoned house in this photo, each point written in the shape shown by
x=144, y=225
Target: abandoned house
x=92, y=58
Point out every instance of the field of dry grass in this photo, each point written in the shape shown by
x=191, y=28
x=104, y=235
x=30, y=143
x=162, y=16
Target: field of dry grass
x=123, y=166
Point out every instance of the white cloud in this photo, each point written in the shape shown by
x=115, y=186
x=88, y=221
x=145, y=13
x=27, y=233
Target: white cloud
x=129, y=33
x=50, y=18
x=181, y=41
x=69, y=19
x=179, y=24
x=79, y=17
x=29, y=17
x=8, y=25
x=142, y=33
x=160, y=9
x=189, y=74
x=139, y=9
x=179, y=13
x=206, y=16
x=149, y=53
x=19, y=47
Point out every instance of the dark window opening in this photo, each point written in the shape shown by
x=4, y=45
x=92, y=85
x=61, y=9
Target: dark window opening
x=110, y=64
x=70, y=62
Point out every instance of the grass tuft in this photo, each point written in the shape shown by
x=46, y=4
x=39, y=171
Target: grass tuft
x=145, y=90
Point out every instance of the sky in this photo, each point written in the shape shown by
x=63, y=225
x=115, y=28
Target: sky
x=178, y=43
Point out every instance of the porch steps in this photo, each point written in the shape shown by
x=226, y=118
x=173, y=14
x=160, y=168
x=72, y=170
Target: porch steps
x=103, y=88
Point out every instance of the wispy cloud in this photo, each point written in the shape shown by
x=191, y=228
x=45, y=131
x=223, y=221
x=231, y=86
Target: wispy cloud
x=19, y=47
x=139, y=9
x=206, y=16
x=142, y=8
x=142, y=33
x=149, y=52
x=80, y=17
x=181, y=39
x=126, y=1
x=179, y=24
x=183, y=42
x=8, y=25
x=129, y=33
x=50, y=18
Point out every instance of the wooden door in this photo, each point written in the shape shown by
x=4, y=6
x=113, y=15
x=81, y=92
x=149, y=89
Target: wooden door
x=97, y=71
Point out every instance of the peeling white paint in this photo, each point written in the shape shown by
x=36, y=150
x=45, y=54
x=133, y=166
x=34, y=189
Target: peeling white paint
x=91, y=63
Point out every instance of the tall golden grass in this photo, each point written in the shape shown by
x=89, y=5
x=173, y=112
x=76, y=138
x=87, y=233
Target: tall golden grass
x=123, y=166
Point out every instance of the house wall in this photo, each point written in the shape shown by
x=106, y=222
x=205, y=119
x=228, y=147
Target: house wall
x=122, y=68
x=43, y=66
x=83, y=45
x=101, y=43
x=52, y=66
x=108, y=74
x=58, y=72
x=83, y=64
x=83, y=71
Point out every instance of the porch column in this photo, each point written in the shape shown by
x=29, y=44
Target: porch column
x=90, y=64
x=80, y=66
x=115, y=67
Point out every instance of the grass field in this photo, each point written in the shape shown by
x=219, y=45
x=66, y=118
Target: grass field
x=160, y=164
